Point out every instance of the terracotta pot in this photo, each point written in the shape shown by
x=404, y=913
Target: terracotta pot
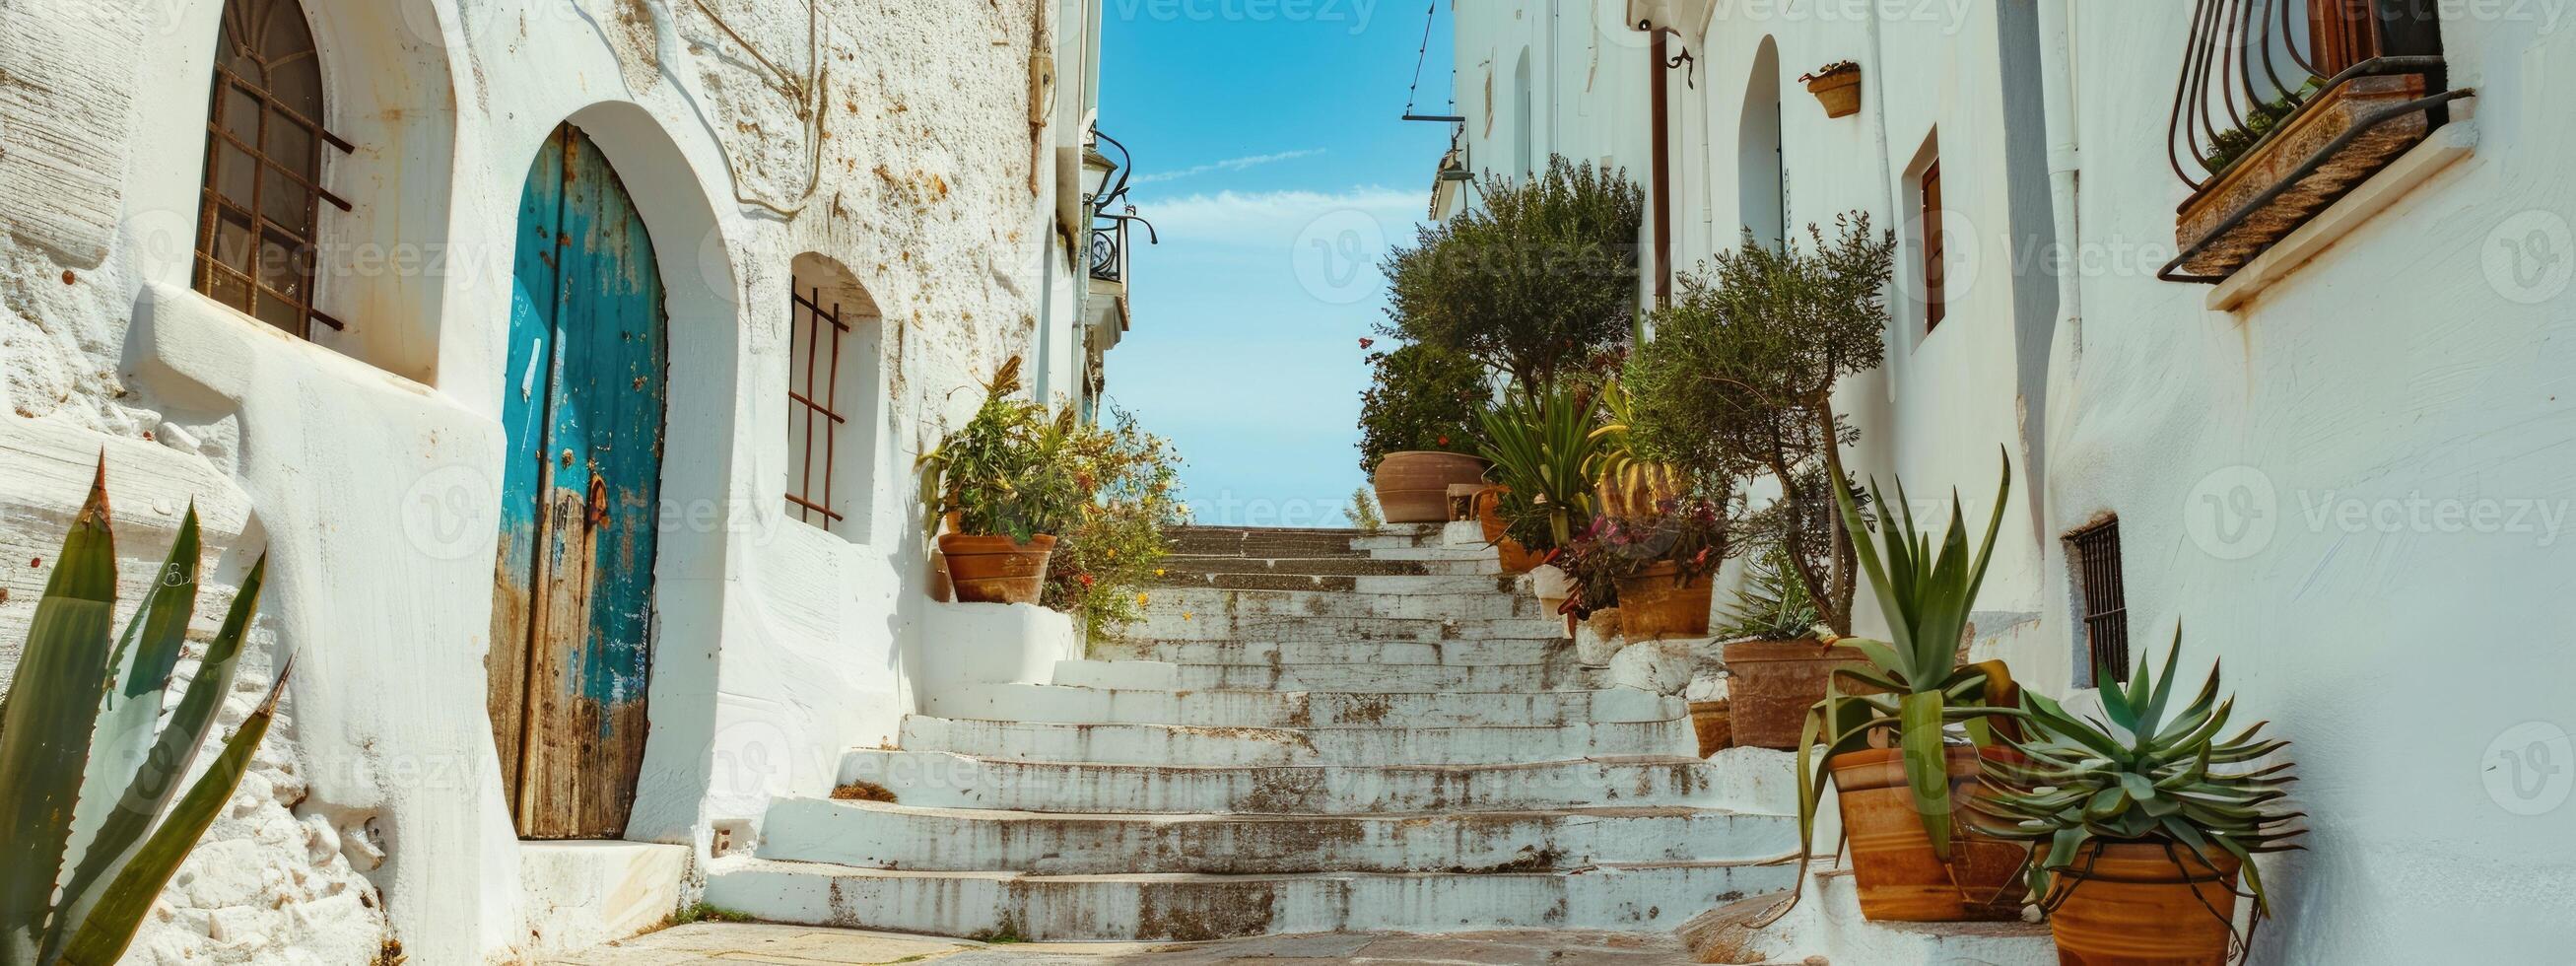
x=1773, y=683
x=1516, y=559
x=1839, y=93
x=2136, y=904
x=1900, y=878
x=1413, y=486
x=1652, y=606
x=1715, y=726
x=996, y=570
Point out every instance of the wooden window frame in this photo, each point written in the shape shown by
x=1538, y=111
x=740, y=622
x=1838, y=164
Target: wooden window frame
x=220, y=274
x=817, y=410
x=2101, y=588
x=1935, y=267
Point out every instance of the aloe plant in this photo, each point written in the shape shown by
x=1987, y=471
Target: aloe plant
x=1927, y=595
x=84, y=774
x=2138, y=774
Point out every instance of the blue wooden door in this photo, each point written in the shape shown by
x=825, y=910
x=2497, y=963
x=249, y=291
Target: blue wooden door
x=572, y=646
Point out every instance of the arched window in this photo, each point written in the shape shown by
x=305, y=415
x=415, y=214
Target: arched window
x=260, y=212
x=1762, y=193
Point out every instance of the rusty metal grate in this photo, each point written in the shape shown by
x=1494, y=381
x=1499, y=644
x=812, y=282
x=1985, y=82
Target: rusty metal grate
x=2249, y=66
x=2095, y=553
x=1936, y=271
x=814, y=396
x=258, y=229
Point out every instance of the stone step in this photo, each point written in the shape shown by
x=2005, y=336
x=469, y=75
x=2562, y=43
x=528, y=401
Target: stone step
x=1171, y=623
x=1288, y=542
x=1183, y=907
x=1325, y=566
x=944, y=780
x=1401, y=598
x=1827, y=924
x=1479, y=652
x=1303, y=709
x=1384, y=584
x=1356, y=678
x=1227, y=746
x=875, y=835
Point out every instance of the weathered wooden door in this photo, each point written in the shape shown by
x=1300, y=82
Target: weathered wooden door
x=573, y=593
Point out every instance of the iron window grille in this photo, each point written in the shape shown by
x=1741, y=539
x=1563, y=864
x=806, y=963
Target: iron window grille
x=260, y=220
x=2096, y=556
x=814, y=402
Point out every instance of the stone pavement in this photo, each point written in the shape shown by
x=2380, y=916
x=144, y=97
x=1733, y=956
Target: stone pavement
x=813, y=946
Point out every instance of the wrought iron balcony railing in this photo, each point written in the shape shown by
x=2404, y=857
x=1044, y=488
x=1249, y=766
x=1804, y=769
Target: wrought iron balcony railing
x=1109, y=234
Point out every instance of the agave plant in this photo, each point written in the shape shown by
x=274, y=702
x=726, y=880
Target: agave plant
x=2135, y=774
x=84, y=774
x=1774, y=605
x=1545, y=449
x=1927, y=595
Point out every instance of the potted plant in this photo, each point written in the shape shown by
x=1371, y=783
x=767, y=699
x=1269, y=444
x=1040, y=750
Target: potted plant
x=1003, y=486
x=1671, y=555
x=1885, y=729
x=2140, y=822
x=1543, y=447
x=1118, y=540
x=1418, y=429
x=1836, y=86
x=1776, y=665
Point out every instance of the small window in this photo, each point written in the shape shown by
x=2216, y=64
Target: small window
x=2094, y=556
x=1936, y=272
x=261, y=205
x=814, y=419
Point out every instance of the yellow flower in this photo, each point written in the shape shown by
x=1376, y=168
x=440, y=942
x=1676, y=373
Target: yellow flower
x=1158, y=571
x=1140, y=600
x=1185, y=615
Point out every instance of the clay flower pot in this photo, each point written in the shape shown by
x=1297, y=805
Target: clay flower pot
x=1900, y=878
x=1516, y=559
x=2140, y=904
x=1839, y=92
x=996, y=570
x=1413, y=486
x=1773, y=683
x=1652, y=605
x=1714, y=724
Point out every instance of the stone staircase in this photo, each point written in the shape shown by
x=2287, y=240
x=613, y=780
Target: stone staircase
x=1313, y=731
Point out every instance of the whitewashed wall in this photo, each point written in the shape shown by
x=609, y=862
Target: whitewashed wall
x=370, y=471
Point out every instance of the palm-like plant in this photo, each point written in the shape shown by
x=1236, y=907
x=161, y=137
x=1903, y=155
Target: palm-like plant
x=83, y=772
x=1927, y=595
x=2136, y=775
x=1545, y=449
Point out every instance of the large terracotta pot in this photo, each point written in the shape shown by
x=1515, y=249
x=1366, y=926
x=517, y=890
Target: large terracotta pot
x=1652, y=605
x=1413, y=486
x=1773, y=683
x=1900, y=878
x=2136, y=904
x=1516, y=559
x=1714, y=725
x=996, y=570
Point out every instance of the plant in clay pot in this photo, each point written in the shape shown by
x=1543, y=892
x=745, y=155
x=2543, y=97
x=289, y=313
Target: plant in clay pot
x=1885, y=729
x=1836, y=86
x=1005, y=485
x=1664, y=561
x=2142, y=819
x=1544, y=448
x=1419, y=429
x=1776, y=665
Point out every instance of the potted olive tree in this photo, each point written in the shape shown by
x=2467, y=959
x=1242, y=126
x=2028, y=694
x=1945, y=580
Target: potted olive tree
x=1004, y=486
x=2141, y=820
x=1419, y=431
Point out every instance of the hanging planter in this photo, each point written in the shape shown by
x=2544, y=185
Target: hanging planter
x=1837, y=87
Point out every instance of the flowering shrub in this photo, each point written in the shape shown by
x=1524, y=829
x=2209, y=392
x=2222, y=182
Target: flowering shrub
x=1118, y=543
x=1421, y=398
x=1690, y=532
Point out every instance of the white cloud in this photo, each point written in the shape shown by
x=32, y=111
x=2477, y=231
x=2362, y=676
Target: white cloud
x=1278, y=218
x=1229, y=164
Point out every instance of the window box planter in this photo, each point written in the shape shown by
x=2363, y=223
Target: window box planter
x=2334, y=143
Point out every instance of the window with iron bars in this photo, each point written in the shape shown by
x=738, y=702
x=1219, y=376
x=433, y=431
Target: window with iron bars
x=1936, y=268
x=814, y=420
x=261, y=201
x=2093, y=553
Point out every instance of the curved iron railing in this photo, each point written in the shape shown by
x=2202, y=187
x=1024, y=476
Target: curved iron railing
x=2251, y=66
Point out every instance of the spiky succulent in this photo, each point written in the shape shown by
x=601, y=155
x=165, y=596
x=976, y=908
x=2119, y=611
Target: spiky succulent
x=2142, y=771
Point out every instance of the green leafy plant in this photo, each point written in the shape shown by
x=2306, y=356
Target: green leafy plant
x=1773, y=604
x=1010, y=472
x=1421, y=398
x=1533, y=281
x=2145, y=771
x=1363, y=512
x=1739, y=382
x=1545, y=448
x=2229, y=146
x=1927, y=594
x=84, y=774
x=1128, y=478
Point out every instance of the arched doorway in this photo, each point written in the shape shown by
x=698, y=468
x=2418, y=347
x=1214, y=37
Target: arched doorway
x=1761, y=176
x=572, y=617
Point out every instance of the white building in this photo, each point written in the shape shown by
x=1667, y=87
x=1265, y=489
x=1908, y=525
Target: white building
x=2344, y=468
x=800, y=228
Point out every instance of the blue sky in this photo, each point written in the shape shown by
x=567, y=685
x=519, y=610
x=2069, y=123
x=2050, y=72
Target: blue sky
x=1270, y=156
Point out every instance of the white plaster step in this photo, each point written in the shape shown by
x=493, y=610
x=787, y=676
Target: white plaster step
x=880, y=836
x=1302, y=709
x=1222, y=746
x=1168, y=623
x=1437, y=551
x=946, y=780
x=1136, y=907
x=1827, y=923
x=1363, y=678
x=1490, y=651
x=1417, y=598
